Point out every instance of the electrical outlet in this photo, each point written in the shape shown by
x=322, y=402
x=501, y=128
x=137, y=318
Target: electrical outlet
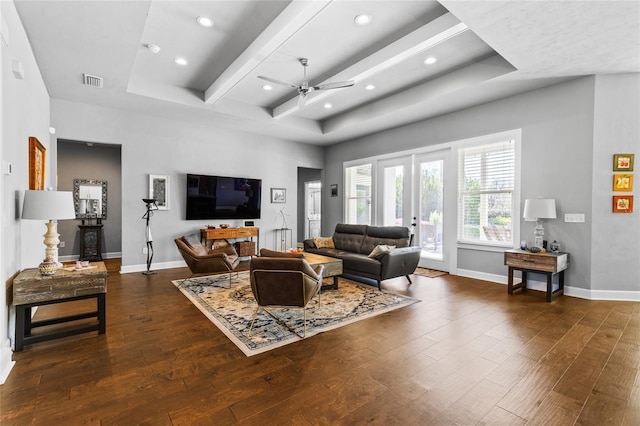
x=144, y=250
x=62, y=244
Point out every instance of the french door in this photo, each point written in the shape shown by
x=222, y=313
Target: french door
x=411, y=193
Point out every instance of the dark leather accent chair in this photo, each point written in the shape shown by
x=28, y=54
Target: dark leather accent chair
x=204, y=261
x=284, y=281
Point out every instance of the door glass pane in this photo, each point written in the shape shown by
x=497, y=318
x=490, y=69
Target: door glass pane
x=392, y=198
x=431, y=206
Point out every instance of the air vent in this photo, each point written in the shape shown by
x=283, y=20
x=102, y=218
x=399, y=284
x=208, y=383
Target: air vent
x=92, y=80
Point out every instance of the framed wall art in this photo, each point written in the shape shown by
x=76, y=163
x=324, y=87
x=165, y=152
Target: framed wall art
x=623, y=203
x=278, y=195
x=623, y=162
x=623, y=182
x=37, y=162
x=159, y=190
x=334, y=190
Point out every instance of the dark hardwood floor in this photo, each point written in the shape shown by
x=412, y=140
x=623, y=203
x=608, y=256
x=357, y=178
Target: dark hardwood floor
x=467, y=354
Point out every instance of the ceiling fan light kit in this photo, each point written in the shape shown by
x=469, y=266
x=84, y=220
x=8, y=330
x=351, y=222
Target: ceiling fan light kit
x=303, y=88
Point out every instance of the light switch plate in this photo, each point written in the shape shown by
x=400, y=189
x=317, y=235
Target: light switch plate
x=574, y=217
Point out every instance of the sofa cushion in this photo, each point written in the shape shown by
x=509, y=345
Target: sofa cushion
x=349, y=237
x=272, y=253
x=380, y=250
x=322, y=242
x=385, y=235
x=359, y=263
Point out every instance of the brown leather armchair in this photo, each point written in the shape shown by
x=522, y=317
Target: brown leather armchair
x=284, y=281
x=204, y=261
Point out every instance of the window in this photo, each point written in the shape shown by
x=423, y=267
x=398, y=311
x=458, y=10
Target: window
x=486, y=176
x=358, y=194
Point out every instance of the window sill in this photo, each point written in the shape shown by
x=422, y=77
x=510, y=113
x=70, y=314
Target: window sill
x=484, y=247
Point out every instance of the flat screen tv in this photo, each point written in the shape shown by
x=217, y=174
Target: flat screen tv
x=221, y=197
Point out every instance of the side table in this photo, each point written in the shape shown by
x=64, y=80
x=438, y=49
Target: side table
x=541, y=263
x=30, y=289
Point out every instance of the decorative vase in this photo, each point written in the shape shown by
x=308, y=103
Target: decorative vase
x=48, y=267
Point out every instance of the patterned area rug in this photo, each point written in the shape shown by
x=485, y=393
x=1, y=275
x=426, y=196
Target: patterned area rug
x=431, y=273
x=231, y=310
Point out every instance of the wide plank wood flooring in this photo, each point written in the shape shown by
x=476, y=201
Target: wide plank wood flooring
x=468, y=354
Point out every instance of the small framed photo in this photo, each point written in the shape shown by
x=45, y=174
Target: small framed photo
x=278, y=195
x=623, y=182
x=37, y=162
x=623, y=162
x=159, y=190
x=334, y=190
x=623, y=203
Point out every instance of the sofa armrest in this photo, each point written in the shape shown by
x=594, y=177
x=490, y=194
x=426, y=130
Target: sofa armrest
x=399, y=262
x=309, y=243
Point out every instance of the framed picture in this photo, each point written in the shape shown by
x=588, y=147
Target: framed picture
x=334, y=190
x=623, y=162
x=278, y=195
x=159, y=190
x=623, y=182
x=623, y=203
x=37, y=162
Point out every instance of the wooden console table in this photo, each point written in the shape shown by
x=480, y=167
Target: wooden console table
x=208, y=234
x=541, y=263
x=30, y=289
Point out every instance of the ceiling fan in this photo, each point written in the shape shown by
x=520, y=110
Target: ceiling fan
x=304, y=89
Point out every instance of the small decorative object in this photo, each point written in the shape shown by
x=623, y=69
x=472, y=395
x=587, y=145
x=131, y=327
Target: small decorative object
x=554, y=246
x=37, y=161
x=278, y=195
x=159, y=190
x=623, y=182
x=623, y=162
x=623, y=204
x=523, y=245
x=224, y=225
x=334, y=190
x=48, y=266
x=534, y=249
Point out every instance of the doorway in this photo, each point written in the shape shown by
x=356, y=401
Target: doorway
x=312, y=208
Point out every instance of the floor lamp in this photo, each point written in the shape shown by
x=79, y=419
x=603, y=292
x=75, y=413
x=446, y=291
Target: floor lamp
x=151, y=205
x=51, y=206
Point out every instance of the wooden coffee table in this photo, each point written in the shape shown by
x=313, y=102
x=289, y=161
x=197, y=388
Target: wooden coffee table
x=332, y=267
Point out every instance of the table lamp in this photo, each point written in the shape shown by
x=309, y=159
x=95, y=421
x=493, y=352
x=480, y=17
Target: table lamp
x=51, y=206
x=538, y=209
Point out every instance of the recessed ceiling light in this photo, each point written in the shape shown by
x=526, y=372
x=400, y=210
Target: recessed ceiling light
x=153, y=48
x=328, y=105
x=430, y=60
x=181, y=61
x=362, y=19
x=369, y=87
x=267, y=87
x=204, y=21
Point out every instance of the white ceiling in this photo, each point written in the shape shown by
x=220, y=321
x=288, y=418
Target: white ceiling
x=486, y=50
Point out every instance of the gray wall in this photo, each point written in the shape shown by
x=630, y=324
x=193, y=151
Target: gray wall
x=77, y=160
x=165, y=146
x=558, y=158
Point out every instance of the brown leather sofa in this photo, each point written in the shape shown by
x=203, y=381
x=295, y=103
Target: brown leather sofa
x=354, y=243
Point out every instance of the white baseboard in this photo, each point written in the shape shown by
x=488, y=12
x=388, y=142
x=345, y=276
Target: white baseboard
x=623, y=296
x=6, y=363
x=154, y=266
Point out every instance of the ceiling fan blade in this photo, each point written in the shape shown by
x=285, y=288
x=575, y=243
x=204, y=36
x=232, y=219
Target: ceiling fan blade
x=282, y=83
x=336, y=85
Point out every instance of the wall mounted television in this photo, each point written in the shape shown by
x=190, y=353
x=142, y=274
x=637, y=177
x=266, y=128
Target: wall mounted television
x=221, y=197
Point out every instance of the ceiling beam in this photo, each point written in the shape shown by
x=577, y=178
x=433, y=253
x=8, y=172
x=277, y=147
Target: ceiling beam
x=295, y=17
x=420, y=40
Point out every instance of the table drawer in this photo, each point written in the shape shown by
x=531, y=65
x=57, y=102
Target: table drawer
x=539, y=262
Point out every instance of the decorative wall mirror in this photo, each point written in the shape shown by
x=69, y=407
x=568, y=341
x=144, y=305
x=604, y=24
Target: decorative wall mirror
x=90, y=198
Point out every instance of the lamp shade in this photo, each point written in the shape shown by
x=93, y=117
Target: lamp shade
x=540, y=208
x=48, y=205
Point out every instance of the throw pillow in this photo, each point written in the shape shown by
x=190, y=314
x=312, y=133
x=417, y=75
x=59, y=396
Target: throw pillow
x=380, y=250
x=324, y=242
x=272, y=253
x=192, y=240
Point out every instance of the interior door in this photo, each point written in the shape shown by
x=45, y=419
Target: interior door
x=312, y=207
